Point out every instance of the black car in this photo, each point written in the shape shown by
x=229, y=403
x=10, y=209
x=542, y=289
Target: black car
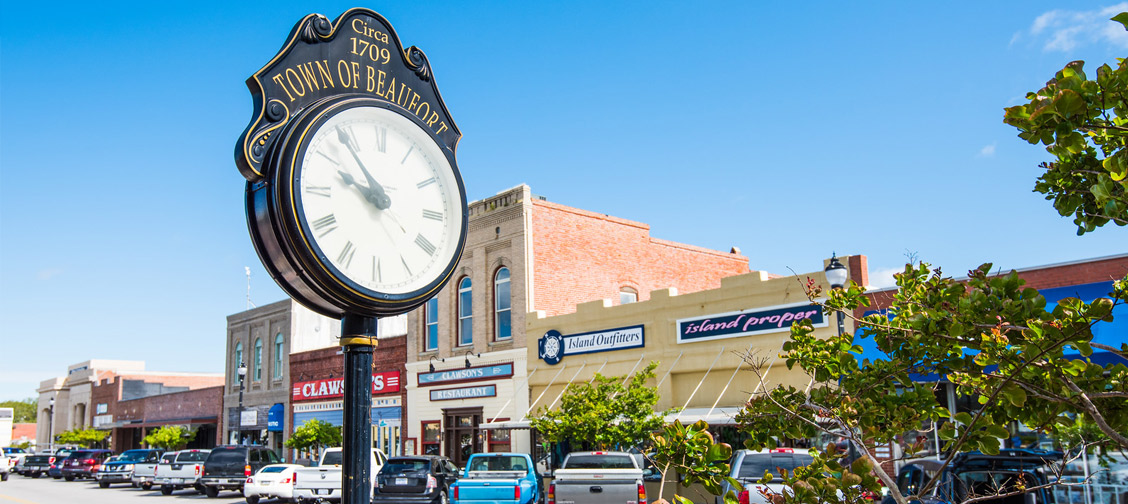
x=228, y=467
x=423, y=479
x=976, y=474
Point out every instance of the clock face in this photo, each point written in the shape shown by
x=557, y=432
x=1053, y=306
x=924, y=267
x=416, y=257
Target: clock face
x=379, y=202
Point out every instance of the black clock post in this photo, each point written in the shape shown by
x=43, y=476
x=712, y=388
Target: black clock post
x=343, y=110
x=358, y=338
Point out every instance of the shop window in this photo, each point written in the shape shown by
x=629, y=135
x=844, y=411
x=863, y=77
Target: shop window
x=278, y=357
x=258, y=360
x=503, y=327
x=431, y=438
x=238, y=362
x=431, y=318
x=627, y=295
x=499, y=438
x=465, y=313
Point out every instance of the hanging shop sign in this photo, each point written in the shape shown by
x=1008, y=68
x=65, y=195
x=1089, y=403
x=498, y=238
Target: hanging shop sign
x=747, y=322
x=466, y=374
x=382, y=383
x=553, y=346
x=463, y=393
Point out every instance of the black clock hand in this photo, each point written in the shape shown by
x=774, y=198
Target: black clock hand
x=375, y=193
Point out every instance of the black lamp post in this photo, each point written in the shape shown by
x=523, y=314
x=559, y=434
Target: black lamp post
x=431, y=363
x=50, y=423
x=836, y=274
x=467, y=356
x=242, y=371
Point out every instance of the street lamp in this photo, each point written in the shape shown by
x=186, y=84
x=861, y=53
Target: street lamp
x=467, y=356
x=242, y=371
x=50, y=423
x=836, y=275
x=431, y=363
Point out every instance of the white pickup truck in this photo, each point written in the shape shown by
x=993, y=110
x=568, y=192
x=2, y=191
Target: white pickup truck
x=5, y=465
x=598, y=478
x=323, y=483
x=182, y=472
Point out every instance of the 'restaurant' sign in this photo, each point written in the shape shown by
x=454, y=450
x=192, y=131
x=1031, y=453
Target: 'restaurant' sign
x=467, y=374
x=745, y=322
x=382, y=383
x=463, y=393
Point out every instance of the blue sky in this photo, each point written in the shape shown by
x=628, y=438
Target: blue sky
x=788, y=130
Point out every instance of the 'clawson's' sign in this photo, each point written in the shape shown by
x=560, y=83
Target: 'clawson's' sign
x=382, y=383
x=747, y=322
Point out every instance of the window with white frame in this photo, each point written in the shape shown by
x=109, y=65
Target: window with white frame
x=465, y=313
x=503, y=327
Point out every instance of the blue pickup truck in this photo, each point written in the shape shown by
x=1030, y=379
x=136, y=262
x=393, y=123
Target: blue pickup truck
x=498, y=478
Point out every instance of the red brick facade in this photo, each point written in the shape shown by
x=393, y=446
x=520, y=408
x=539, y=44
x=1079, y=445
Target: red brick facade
x=582, y=256
x=199, y=407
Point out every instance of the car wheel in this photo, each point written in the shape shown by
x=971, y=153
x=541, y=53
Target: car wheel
x=3, y=476
x=252, y=499
x=68, y=478
x=146, y=486
x=212, y=492
x=166, y=490
x=443, y=498
x=134, y=485
x=199, y=488
x=35, y=475
x=103, y=484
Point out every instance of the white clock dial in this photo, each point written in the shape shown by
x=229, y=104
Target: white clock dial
x=380, y=200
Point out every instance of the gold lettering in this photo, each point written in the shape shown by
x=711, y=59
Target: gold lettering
x=414, y=100
x=354, y=24
x=433, y=119
x=419, y=111
x=324, y=72
x=278, y=79
x=371, y=78
x=343, y=75
x=291, y=82
x=355, y=74
x=442, y=127
x=390, y=94
x=403, y=93
x=309, y=76
x=380, y=82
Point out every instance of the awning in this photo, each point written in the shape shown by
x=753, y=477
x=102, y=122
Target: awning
x=718, y=416
x=511, y=424
x=276, y=418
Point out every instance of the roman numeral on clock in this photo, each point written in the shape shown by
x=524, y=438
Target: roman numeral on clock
x=382, y=139
x=346, y=254
x=405, y=267
x=318, y=190
x=433, y=215
x=324, y=225
x=425, y=245
x=426, y=183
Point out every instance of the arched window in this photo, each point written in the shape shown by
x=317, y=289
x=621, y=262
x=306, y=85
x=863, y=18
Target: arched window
x=258, y=360
x=465, y=313
x=238, y=361
x=278, y=357
x=431, y=320
x=627, y=295
x=503, y=327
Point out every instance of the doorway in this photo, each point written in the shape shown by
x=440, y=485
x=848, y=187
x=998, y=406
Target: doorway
x=461, y=436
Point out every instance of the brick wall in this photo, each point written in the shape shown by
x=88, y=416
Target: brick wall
x=582, y=256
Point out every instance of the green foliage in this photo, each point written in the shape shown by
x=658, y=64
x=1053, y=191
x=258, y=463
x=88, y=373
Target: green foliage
x=604, y=414
x=23, y=411
x=1083, y=125
x=85, y=438
x=170, y=437
x=691, y=452
x=989, y=335
x=313, y=435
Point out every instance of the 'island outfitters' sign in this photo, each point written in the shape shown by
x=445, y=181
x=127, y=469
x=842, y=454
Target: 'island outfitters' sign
x=553, y=346
x=744, y=322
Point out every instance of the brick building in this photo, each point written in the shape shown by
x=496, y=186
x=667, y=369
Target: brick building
x=466, y=348
x=198, y=410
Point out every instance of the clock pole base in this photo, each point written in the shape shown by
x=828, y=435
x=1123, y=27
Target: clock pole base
x=358, y=337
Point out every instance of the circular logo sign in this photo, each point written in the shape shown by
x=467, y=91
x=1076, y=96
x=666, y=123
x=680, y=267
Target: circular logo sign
x=551, y=347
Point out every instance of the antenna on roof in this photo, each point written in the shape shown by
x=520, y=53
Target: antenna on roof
x=249, y=303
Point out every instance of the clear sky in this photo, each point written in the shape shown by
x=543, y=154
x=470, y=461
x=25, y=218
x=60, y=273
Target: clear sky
x=790, y=130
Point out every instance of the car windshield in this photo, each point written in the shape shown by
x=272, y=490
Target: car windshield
x=228, y=455
x=755, y=464
x=498, y=463
x=599, y=462
x=332, y=458
x=192, y=456
x=13, y=450
x=400, y=466
x=133, y=456
x=81, y=454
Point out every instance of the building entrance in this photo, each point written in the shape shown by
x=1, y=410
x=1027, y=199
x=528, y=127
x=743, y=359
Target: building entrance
x=461, y=435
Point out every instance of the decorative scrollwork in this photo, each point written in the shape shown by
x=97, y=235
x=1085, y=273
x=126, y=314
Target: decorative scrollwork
x=316, y=28
x=418, y=60
x=276, y=110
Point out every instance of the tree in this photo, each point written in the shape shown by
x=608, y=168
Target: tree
x=85, y=438
x=695, y=457
x=314, y=435
x=611, y=412
x=1083, y=125
x=170, y=437
x=23, y=411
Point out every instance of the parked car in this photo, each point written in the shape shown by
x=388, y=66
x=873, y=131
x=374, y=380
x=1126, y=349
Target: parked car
x=497, y=478
x=183, y=471
x=323, y=483
x=145, y=472
x=748, y=466
x=598, y=478
x=424, y=479
x=15, y=457
x=4, y=466
x=229, y=467
x=55, y=467
x=977, y=474
x=275, y=481
x=84, y=463
x=119, y=469
x=35, y=465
